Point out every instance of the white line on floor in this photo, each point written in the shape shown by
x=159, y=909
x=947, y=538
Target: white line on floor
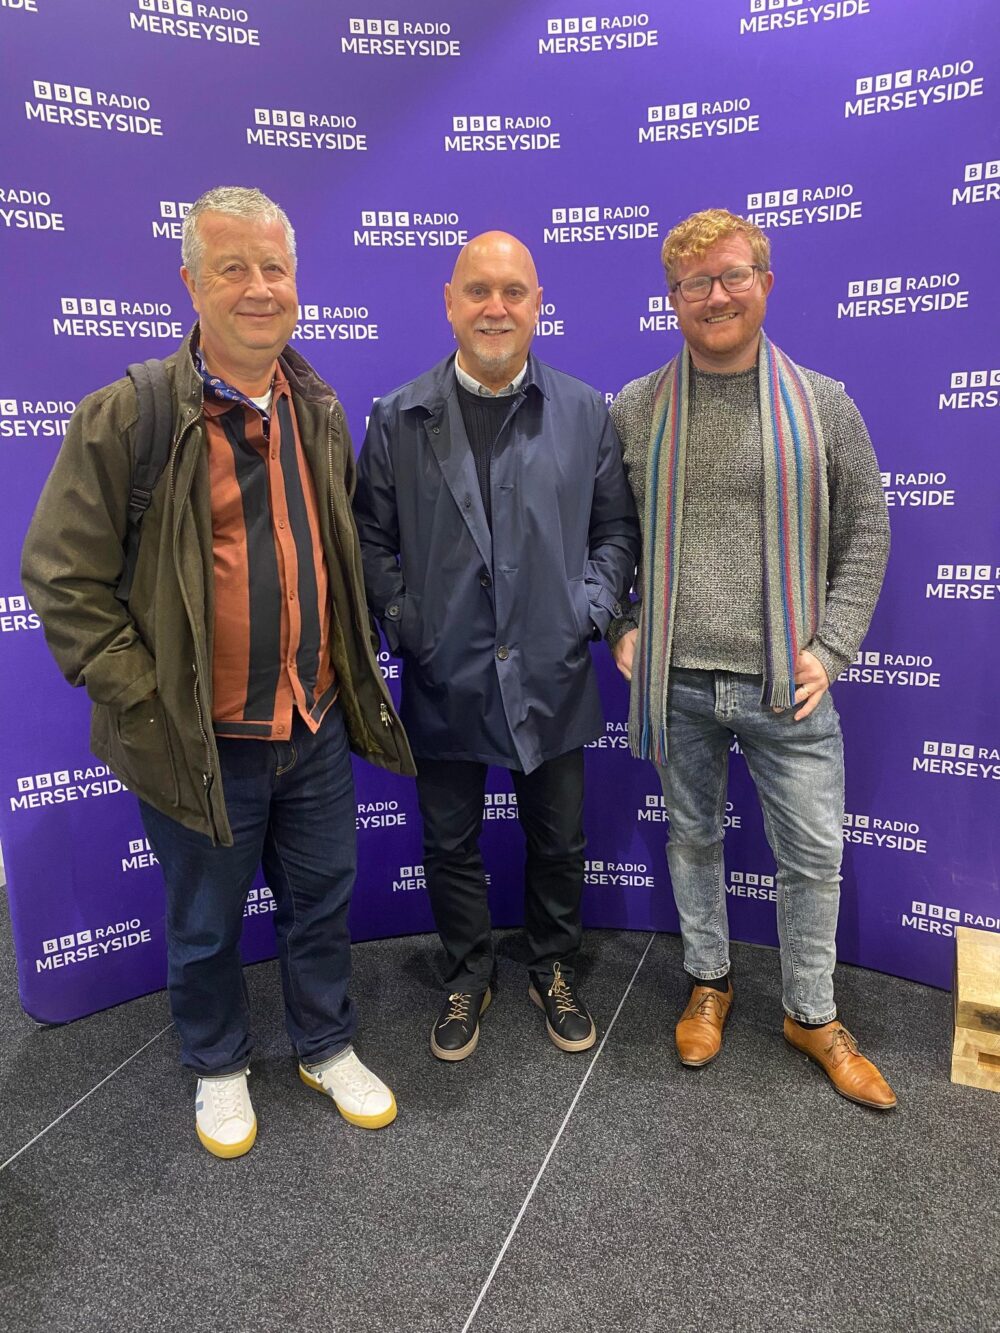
x=79, y=1102
x=555, y=1143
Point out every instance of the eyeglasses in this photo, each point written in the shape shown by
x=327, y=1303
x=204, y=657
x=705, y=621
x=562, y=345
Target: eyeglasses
x=734, y=280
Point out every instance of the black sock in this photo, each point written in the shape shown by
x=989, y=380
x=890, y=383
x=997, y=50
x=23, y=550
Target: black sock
x=716, y=983
x=809, y=1027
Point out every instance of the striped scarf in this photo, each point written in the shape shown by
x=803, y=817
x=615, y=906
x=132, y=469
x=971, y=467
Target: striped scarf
x=795, y=535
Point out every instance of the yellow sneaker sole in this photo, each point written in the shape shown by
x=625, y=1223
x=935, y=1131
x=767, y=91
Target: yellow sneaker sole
x=227, y=1150
x=379, y=1121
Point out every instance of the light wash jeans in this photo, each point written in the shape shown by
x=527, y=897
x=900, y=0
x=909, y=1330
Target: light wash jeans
x=798, y=770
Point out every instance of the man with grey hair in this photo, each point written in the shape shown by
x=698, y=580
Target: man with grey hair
x=231, y=680
x=235, y=201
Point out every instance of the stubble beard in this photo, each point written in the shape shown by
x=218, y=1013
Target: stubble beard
x=496, y=358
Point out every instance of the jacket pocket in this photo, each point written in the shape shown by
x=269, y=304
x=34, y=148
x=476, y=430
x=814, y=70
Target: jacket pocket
x=409, y=625
x=141, y=748
x=581, y=609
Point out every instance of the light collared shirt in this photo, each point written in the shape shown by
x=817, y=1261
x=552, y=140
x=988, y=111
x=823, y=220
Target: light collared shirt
x=473, y=385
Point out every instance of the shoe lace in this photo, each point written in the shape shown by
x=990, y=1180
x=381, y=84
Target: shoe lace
x=710, y=1006
x=459, y=1010
x=227, y=1099
x=842, y=1044
x=358, y=1079
x=561, y=993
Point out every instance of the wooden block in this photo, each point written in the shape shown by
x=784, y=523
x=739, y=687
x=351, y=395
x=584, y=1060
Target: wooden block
x=975, y=1053
x=975, y=1059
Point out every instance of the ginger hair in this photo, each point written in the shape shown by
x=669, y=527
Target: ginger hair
x=696, y=235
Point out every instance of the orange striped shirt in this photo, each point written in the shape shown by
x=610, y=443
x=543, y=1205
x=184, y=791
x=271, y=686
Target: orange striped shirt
x=271, y=647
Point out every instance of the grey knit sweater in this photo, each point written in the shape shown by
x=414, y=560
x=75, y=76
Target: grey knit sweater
x=720, y=619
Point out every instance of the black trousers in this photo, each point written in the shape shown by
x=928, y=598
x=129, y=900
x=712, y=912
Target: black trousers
x=550, y=810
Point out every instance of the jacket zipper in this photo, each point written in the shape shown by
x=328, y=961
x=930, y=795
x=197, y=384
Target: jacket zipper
x=206, y=778
x=383, y=712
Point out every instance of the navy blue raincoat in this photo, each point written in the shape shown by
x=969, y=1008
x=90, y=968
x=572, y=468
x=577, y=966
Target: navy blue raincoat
x=495, y=628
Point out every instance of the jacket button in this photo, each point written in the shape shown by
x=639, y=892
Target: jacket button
x=485, y=580
x=392, y=612
x=435, y=430
x=503, y=653
x=616, y=608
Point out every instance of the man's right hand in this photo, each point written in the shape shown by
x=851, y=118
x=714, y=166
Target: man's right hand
x=624, y=651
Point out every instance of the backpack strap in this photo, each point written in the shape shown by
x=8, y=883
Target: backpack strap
x=150, y=450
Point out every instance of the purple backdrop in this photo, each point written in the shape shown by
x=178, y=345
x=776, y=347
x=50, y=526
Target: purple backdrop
x=861, y=134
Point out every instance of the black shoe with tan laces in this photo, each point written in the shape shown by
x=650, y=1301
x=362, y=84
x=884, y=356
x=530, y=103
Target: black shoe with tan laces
x=566, y=1018
x=456, y=1032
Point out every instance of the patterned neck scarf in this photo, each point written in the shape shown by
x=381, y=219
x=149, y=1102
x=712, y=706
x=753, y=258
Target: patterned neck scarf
x=220, y=389
x=794, y=522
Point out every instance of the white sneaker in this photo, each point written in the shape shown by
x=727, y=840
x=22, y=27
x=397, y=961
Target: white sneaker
x=360, y=1097
x=224, y=1117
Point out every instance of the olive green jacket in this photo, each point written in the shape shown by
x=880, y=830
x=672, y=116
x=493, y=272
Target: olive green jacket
x=148, y=666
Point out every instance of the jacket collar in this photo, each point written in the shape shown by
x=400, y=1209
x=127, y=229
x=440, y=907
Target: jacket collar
x=302, y=379
x=432, y=390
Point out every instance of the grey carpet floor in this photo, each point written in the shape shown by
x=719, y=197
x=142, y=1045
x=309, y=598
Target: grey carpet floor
x=528, y=1189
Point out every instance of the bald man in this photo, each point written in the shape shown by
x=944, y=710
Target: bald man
x=499, y=537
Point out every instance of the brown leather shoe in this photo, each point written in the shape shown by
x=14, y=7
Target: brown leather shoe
x=836, y=1052
x=699, y=1030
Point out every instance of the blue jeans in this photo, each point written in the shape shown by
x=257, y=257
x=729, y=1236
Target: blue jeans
x=798, y=770
x=291, y=808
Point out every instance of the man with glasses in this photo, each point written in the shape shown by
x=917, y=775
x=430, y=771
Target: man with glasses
x=765, y=543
